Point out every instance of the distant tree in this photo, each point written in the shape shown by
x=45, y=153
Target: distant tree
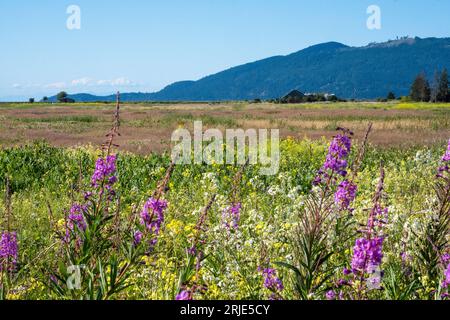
x=45, y=99
x=31, y=100
x=442, y=92
x=62, y=96
x=390, y=96
x=435, y=87
x=420, y=89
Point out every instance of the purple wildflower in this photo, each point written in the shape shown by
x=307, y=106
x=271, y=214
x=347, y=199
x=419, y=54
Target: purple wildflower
x=137, y=238
x=336, y=159
x=368, y=250
x=339, y=149
x=184, y=295
x=76, y=217
x=75, y=222
x=271, y=281
x=104, y=169
x=367, y=254
x=345, y=194
x=347, y=271
x=445, y=168
x=192, y=251
x=231, y=216
x=447, y=276
x=330, y=295
x=445, y=258
x=152, y=216
x=8, y=251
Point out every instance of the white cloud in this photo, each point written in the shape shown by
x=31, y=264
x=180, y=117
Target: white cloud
x=56, y=85
x=81, y=82
x=102, y=82
x=77, y=84
x=122, y=81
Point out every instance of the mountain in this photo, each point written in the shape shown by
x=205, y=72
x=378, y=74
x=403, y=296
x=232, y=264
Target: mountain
x=349, y=72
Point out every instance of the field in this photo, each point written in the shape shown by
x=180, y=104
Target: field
x=148, y=127
x=90, y=226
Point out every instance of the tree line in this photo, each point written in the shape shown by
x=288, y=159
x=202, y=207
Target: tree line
x=438, y=91
x=421, y=91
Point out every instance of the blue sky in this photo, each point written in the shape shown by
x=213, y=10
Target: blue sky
x=138, y=45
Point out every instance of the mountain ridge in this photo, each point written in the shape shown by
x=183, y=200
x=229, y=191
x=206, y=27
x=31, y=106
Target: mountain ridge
x=365, y=72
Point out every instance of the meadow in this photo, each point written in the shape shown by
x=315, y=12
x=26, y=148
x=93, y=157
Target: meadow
x=350, y=215
x=148, y=127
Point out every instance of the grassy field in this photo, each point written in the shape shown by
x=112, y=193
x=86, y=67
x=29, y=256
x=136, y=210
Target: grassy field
x=144, y=231
x=148, y=127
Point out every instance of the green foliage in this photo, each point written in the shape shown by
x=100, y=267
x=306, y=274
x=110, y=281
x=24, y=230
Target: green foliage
x=390, y=96
x=62, y=96
x=272, y=206
x=443, y=93
x=420, y=89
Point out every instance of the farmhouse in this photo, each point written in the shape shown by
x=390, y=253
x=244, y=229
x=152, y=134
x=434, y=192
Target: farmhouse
x=294, y=96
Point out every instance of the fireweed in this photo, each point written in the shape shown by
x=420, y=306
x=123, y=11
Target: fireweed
x=324, y=219
x=365, y=272
x=8, y=251
x=272, y=282
x=336, y=159
x=231, y=216
x=8, y=240
x=9, y=248
x=99, y=249
x=345, y=194
x=151, y=217
x=422, y=257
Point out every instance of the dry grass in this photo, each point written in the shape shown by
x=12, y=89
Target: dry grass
x=148, y=127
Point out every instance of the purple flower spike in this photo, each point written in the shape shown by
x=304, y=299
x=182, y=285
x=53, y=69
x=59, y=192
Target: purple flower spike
x=330, y=295
x=336, y=159
x=184, y=296
x=152, y=217
x=367, y=253
x=8, y=251
x=345, y=194
x=104, y=169
x=137, y=238
x=271, y=281
x=231, y=216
